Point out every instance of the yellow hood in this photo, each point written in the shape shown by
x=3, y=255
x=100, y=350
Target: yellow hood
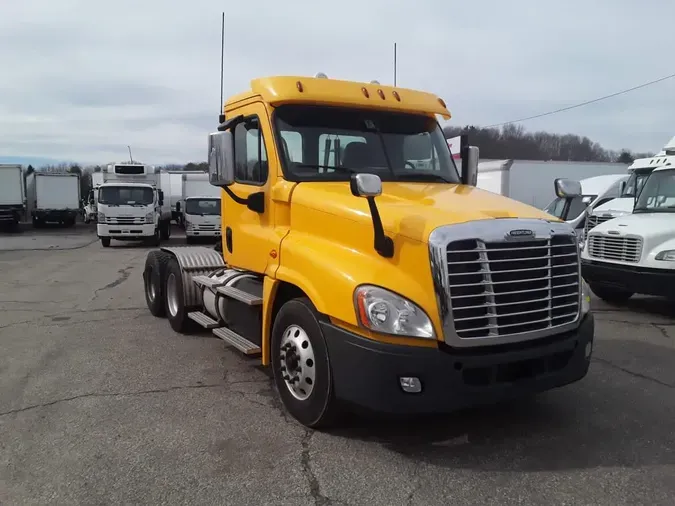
x=414, y=209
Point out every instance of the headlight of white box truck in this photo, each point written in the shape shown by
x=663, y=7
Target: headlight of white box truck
x=585, y=297
x=667, y=255
x=149, y=218
x=383, y=311
x=101, y=217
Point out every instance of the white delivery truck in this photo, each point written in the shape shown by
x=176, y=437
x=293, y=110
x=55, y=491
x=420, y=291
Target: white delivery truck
x=635, y=253
x=176, y=185
x=53, y=197
x=200, y=203
x=639, y=170
x=12, y=195
x=592, y=191
x=131, y=206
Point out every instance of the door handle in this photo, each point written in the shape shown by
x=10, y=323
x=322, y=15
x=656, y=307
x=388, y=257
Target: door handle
x=228, y=239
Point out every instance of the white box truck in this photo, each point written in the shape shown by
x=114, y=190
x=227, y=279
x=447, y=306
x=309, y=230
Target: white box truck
x=635, y=253
x=131, y=205
x=53, y=197
x=200, y=202
x=12, y=195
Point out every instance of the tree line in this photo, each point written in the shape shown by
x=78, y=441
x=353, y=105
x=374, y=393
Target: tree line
x=514, y=142
x=508, y=142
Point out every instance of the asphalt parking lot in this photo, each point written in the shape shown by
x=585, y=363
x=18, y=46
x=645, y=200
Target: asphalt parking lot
x=101, y=403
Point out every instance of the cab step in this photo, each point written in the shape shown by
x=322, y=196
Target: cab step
x=239, y=342
x=206, y=281
x=204, y=320
x=240, y=295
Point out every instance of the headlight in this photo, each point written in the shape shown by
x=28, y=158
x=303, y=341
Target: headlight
x=585, y=297
x=149, y=218
x=380, y=310
x=667, y=255
x=101, y=217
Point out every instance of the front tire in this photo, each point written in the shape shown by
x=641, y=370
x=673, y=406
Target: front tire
x=105, y=242
x=302, y=371
x=154, y=276
x=611, y=295
x=165, y=230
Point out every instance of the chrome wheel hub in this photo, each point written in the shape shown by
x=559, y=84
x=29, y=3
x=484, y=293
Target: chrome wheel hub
x=297, y=362
x=172, y=294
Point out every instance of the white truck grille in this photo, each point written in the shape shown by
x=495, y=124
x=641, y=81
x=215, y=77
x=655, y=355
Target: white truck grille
x=501, y=288
x=606, y=247
x=593, y=220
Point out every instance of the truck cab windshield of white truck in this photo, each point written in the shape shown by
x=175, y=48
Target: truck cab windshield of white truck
x=329, y=144
x=635, y=179
x=125, y=196
x=202, y=207
x=658, y=193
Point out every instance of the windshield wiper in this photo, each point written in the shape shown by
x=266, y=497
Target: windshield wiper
x=317, y=166
x=423, y=176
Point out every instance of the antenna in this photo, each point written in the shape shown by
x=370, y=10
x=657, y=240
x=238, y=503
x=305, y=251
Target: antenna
x=221, y=116
x=131, y=158
x=394, y=63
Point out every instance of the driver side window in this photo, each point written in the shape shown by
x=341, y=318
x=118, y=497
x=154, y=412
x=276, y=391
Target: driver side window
x=556, y=208
x=250, y=155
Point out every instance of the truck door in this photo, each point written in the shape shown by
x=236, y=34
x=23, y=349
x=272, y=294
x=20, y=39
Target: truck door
x=248, y=236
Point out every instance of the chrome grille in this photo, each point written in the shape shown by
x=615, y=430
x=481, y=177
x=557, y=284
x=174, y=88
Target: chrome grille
x=125, y=221
x=593, y=220
x=505, y=288
x=607, y=247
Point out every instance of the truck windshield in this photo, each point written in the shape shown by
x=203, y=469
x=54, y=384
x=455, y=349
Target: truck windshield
x=658, y=193
x=635, y=183
x=322, y=143
x=203, y=207
x=125, y=195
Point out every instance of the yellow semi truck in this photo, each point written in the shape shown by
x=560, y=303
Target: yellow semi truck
x=365, y=268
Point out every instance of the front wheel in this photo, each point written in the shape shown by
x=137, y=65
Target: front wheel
x=302, y=371
x=611, y=295
x=165, y=230
x=105, y=242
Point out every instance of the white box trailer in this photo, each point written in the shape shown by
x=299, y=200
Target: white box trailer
x=53, y=197
x=12, y=195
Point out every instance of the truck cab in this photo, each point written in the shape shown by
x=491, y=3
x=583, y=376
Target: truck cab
x=131, y=205
x=635, y=253
x=639, y=171
x=202, y=217
x=362, y=277
x=573, y=207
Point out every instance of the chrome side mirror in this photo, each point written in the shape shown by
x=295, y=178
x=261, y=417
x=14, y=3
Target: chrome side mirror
x=567, y=188
x=221, y=158
x=365, y=185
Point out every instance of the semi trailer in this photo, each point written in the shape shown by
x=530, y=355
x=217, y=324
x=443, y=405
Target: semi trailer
x=12, y=195
x=53, y=197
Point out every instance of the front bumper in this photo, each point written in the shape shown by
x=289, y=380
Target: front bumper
x=366, y=373
x=125, y=231
x=202, y=233
x=642, y=280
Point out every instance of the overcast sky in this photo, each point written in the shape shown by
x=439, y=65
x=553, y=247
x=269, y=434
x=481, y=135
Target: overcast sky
x=83, y=79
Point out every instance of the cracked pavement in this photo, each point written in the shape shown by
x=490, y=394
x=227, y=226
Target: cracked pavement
x=101, y=403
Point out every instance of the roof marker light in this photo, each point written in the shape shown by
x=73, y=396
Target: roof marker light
x=374, y=81
x=365, y=92
x=381, y=94
x=396, y=95
x=321, y=75
x=298, y=85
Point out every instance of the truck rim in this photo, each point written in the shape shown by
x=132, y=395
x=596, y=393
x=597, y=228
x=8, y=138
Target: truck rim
x=172, y=294
x=298, y=365
x=150, y=287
